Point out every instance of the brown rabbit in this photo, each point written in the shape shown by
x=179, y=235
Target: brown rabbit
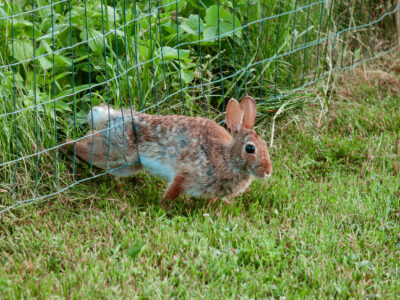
x=194, y=155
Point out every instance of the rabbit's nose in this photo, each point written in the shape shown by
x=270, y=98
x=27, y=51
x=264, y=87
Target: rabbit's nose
x=268, y=171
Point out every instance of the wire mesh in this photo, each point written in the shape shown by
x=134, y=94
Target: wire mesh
x=60, y=59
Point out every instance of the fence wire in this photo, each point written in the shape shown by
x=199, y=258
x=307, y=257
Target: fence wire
x=60, y=59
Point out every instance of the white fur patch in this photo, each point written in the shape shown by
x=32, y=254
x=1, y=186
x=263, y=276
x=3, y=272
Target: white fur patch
x=123, y=172
x=157, y=168
x=100, y=117
x=194, y=193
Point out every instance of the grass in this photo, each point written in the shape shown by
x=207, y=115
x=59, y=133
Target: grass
x=126, y=33
x=118, y=44
x=327, y=224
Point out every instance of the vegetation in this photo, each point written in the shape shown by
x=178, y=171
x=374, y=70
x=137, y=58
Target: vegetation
x=326, y=224
x=149, y=59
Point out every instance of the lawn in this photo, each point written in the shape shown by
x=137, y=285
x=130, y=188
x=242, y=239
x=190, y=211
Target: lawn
x=327, y=223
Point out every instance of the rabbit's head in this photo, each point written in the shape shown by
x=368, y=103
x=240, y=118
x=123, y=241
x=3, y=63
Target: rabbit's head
x=248, y=151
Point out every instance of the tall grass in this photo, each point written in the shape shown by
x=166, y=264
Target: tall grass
x=128, y=54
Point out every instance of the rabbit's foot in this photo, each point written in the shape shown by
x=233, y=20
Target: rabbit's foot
x=212, y=201
x=173, y=191
x=228, y=200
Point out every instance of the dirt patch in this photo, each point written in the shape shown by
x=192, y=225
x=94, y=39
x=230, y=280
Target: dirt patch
x=385, y=80
x=384, y=72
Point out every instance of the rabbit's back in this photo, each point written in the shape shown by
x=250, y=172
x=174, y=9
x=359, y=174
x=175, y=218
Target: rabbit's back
x=171, y=144
x=192, y=147
x=167, y=146
x=195, y=155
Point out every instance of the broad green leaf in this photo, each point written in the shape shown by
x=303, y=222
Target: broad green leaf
x=170, y=5
x=224, y=16
x=169, y=26
x=26, y=27
x=187, y=76
x=59, y=60
x=22, y=23
x=62, y=61
x=77, y=16
x=81, y=117
x=45, y=64
x=23, y=50
x=3, y=13
x=44, y=47
x=76, y=89
x=62, y=75
x=57, y=30
x=144, y=52
x=62, y=106
x=193, y=22
x=187, y=29
x=46, y=24
x=210, y=34
x=76, y=60
x=110, y=12
x=225, y=23
x=171, y=53
x=95, y=40
x=191, y=25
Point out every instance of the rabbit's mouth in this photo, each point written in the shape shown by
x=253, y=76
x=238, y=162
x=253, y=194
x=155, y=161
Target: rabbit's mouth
x=260, y=173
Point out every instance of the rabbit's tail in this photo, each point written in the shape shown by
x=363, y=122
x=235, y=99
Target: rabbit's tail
x=103, y=116
x=98, y=117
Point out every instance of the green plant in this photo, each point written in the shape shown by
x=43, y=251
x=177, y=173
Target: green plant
x=61, y=59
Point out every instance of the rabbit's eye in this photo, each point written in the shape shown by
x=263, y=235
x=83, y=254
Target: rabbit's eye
x=250, y=148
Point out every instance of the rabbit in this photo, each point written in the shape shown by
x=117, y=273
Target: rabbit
x=194, y=155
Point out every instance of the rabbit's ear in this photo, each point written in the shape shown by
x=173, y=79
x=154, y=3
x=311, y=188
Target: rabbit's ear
x=249, y=107
x=234, y=115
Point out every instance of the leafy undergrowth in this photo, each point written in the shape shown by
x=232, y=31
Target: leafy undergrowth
x=326, y=224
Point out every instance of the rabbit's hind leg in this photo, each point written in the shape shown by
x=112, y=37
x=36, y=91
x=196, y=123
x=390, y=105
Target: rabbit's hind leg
x=173, y=190
x=212, y=201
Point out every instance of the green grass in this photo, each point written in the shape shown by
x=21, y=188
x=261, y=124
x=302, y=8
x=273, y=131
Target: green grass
x=33, y=130
x=327, y=224
x=132, y=36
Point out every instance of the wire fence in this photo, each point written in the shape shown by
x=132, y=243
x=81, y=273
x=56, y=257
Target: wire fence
x=59, y=59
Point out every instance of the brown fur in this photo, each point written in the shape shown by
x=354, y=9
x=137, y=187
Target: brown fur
x=195, y=155
x=174, y=189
